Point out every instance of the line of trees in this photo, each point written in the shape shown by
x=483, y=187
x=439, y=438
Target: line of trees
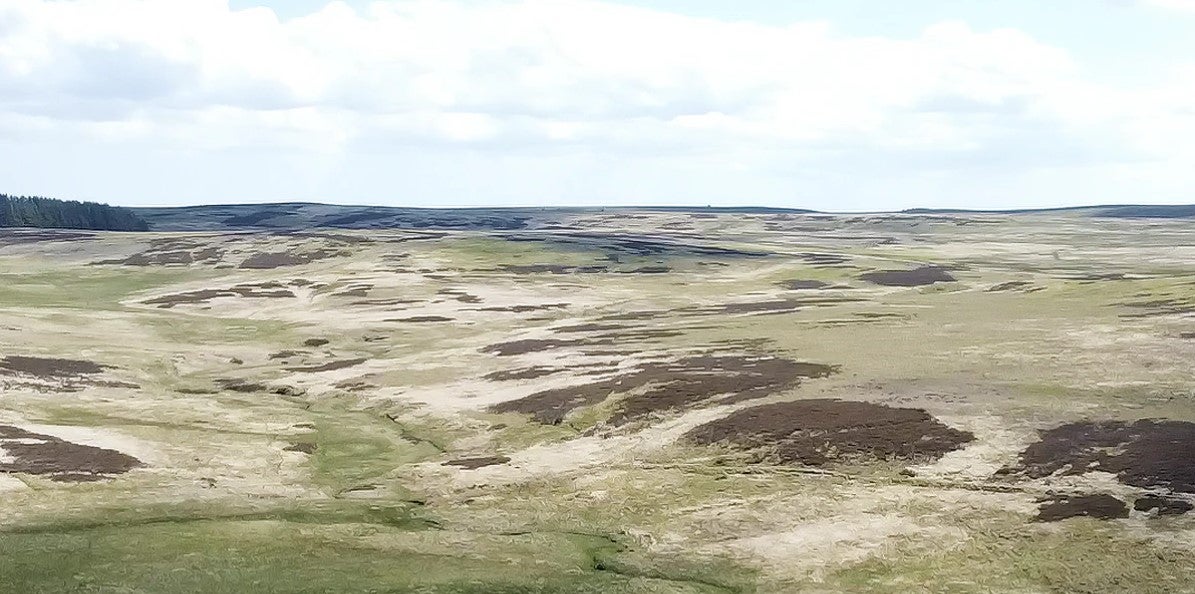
x=35, y=211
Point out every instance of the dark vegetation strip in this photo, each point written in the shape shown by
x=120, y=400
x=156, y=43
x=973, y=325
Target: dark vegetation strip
x=401, y=516
x=35, y=211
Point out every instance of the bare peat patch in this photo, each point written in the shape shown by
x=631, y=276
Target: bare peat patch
x=63, y=461
x=819, y=432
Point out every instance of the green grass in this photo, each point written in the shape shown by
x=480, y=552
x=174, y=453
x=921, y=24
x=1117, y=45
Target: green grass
x=81, y=287
x=1015, y=558
x=325, y=548
x=358, y=451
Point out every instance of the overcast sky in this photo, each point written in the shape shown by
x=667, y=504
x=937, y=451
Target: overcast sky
x=828, y=104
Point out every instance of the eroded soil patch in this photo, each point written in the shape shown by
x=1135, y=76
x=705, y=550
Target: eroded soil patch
x=34, y=453
x=818, y=432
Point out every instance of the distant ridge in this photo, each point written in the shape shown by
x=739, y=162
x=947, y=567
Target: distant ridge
x=1120, y=211
x=287, y=216
x=305, y=215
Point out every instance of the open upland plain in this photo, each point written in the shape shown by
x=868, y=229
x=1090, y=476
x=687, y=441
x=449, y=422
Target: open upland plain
x=602, y=401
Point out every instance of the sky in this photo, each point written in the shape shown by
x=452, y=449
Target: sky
x=844, y=105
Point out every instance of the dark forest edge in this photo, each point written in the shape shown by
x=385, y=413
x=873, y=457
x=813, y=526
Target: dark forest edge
x=49, y=213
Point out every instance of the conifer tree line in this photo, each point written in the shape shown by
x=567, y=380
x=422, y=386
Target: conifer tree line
x=35, y=211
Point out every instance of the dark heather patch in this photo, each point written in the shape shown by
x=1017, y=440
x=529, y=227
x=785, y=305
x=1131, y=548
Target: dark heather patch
x=61, y=460
x=1165, y=506
x=643, y=334
x=525, y=308
x=301, y=447
x=49, y=368
x=316, y=342
x=333, y=366
x=269, y=290
x=530, y=345
x=475, y=463
x=821, y=260
x=778, y=306
x=1024, y=286
x=355, y=386
x=549, y=269
x=159, y=257
x=459, y=295
x=631, y=316
x=803, y=285
x=925, y=275
x=819, y=432
x=1187, y=336
x=270, y=260
x=352, y=293
x=1099, y=506
x=639, y=245
x=421, y=319
x=285, y=355
x=17, y=237
x=671, y=385
x=1097, y=277
x=520, y=374
x=252, y=387
x=1146, y=453
x=588, y=328
x=242, y=386
x=1159, y=307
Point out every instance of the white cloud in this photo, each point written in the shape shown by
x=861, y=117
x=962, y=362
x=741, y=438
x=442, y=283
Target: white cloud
x=542, y=76
x=1181, y=5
